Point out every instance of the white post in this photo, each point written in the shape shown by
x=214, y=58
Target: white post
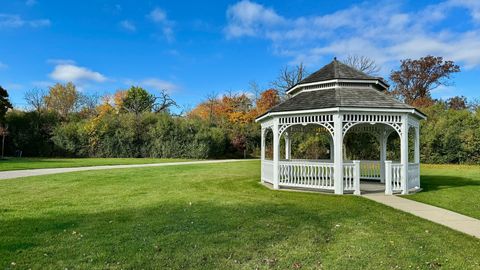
x=338, y=153
x=262, y=146
x=383, y=154
x=356, y=177
x=404, y=154
x=332, y=150
x=388, y=177
x=262, y=153
x=417, y=145
x=417, y=153
x=287, y=146
x=276, y=154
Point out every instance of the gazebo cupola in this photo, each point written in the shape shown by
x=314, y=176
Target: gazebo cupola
x=341, y=99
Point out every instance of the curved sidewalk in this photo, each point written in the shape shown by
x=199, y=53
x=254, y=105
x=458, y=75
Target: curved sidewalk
x=453, y=220
x=34, y=172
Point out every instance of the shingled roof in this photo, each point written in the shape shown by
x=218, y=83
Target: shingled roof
x=337, y=70
x=340, y=97
x=351, y=96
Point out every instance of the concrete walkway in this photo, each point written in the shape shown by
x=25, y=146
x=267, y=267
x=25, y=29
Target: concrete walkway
x=456, y=221
x=35, y=172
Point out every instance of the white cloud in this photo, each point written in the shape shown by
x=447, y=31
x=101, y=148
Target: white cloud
x=128, y=25
x=16, y=21
x=31, y=3
x=56, y=61
x=353, y=30
x=154, y=84
x=159, y=16
x=41, y=84
x=247, y=18
x=159, y=85
x=73, y=73
x=445, y=92
x=14, y=86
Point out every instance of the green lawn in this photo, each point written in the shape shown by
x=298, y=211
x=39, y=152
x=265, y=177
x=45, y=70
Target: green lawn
x=214, y=216
x=39, y=163
x=453, y=187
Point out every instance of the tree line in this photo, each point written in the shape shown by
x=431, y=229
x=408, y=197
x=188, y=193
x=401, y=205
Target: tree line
x=63, y=121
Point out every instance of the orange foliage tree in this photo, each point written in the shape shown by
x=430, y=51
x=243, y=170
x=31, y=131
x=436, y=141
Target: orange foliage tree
x=236, y=113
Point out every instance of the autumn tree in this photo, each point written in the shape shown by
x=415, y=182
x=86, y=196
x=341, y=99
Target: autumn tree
x=363, y=63
x=457, y=103
x=63, y=99
x=267, y=100
x=288, y=77
x=415, y=79
x=4, y=103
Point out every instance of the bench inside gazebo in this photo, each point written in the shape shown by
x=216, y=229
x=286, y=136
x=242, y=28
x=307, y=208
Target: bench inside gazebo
x=339, y=100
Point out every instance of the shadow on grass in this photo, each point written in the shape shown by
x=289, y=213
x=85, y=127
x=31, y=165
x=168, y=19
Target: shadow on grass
x=201, y=235
x=281, y=232
x=439, y=182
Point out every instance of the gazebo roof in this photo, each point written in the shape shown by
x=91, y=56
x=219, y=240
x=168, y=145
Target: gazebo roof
x=337, y=70
x=338, y=85
x=340, y=97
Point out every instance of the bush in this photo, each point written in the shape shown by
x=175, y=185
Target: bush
x=31, y=133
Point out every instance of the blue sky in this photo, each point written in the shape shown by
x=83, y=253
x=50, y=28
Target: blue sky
x=196, y=48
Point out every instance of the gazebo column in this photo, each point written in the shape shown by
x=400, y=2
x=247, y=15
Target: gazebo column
x=276, y=154
x=382, y=138
x=417, y=145
x=404, y=154
x=338, y=153
x=417, y=153
x=288, y=149
x=331, y=148
x=262, y=151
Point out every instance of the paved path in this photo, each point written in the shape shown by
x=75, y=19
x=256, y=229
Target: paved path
x=456, y=221
x=35, y=172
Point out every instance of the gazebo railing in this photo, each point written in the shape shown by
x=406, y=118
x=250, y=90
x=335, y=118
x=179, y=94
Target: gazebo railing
x=320, y=174
x=413, y=175
x=306, y=174
x=393, y=177
x=351, y=177
x=267, y=171
x=370, y=169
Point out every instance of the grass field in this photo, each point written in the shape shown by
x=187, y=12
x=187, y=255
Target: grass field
x=214, y=216
x=10, y=164
x=453, y=187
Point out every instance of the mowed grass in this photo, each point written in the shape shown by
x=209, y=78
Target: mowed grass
x=210, y=216
x=10, y=164
x=453, y=187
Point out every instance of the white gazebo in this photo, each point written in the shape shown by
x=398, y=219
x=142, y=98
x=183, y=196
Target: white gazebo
x=340, y=99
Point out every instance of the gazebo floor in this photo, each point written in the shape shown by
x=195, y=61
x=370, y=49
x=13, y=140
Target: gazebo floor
x=366, y=187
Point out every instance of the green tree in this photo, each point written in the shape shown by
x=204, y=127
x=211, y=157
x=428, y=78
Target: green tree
x=137, y=100
x=4, y=103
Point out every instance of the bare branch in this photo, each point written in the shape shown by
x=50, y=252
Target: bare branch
x=35, y=99
x=288, y=77
x=363, y=63
x=164, y=102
